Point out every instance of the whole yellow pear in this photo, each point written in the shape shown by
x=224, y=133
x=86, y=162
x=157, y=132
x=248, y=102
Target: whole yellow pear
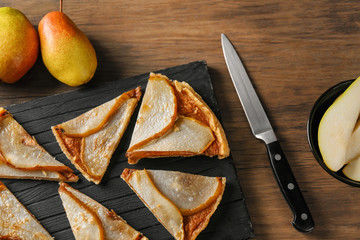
x=66, y=51
x=19, y=45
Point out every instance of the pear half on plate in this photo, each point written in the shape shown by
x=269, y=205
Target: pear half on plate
x=175, y=121
x=182, y=202
x=91, y=220
x=90, y=139
x=16, y=222
x=22, y=157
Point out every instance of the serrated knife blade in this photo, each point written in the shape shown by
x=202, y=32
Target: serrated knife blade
x=261, y=128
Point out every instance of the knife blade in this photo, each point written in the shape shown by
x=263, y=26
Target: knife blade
x=262, y=129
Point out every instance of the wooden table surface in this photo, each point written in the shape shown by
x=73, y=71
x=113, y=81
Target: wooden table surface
x=293, y=52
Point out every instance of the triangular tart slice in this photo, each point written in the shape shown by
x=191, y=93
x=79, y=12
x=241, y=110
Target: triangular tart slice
x=22, y=157
x=182, y=202
x=91, y=220
x=16, y=222
x=90, y=139
x=175, y=121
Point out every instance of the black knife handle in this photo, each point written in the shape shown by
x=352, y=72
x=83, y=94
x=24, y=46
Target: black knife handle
x=302, y=219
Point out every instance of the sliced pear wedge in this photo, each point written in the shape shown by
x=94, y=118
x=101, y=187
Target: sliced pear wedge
x=190, y=193
x=353, y=147
x=337, y=125
x=98, y=147
x=182, y=202
x=16, y=221
x=157, y=111
x=187, y=137
x=352, y=169
x=91, y=220
x=22, y=157
x=7, y=171
x=90, y=143
x=192, y=105
x=83, y=221
x=187, y=134
x=93, y=120
x=175, y=121
x=163, y=209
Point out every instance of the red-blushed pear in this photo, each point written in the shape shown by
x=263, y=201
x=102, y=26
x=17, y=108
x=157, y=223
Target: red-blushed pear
x=337, y=125
x=66, y=51
x=19, y=45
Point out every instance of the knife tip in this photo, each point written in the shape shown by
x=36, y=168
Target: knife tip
x=223, y=39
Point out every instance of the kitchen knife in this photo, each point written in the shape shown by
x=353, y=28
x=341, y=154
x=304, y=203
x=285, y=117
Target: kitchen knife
x=261, y=128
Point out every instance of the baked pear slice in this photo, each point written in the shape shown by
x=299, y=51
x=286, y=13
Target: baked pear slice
x=91, y=220
x=175, y=121
x=22, y=157
x=182, y=202
x=16, y=222
x=187, y=137
x=90, y=139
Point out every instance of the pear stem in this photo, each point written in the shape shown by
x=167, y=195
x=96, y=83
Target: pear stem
x=61, y=5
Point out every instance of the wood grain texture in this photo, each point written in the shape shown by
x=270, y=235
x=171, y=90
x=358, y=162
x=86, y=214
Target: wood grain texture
x=293, y=51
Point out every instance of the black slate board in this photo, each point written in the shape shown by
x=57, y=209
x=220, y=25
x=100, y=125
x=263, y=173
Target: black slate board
x=230, y=221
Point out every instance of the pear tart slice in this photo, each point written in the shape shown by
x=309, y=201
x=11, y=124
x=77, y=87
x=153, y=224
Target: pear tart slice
x=16, y=222
x=182, y=202
x=22, y=157
x=90, y=139
x=175, y=121
x=91, y=220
